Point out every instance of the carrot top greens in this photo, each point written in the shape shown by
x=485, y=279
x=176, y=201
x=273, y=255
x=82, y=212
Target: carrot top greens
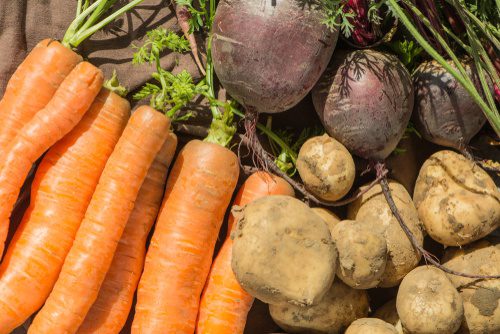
x=88, y=19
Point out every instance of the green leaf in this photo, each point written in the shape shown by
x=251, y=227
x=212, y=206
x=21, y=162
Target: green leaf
x=156, y=42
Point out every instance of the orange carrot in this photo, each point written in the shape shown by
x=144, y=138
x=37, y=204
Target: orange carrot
x=32, y=86
x=225, y=305
x=61, y=192
x=198, y=192
x=91, y=254
x=111, y=308
x=66, y=108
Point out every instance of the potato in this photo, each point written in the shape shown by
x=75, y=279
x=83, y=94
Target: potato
x=481, y=298
x=328, y=217
x=372, y=326
x=333, y=314
x=388, y=313
x=362, y=254
x=428, y=303
x=326, y=167
x=283, y=252
x=456, y=200
x=373, y=209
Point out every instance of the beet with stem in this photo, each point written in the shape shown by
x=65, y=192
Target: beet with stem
x=365, y=100
x=445, y=113
x=269, y=54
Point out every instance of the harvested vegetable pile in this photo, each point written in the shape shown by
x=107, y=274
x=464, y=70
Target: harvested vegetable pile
x=334, y=170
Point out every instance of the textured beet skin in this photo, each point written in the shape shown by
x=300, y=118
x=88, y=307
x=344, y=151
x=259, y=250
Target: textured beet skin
x=268, y=54
x=445, y=113
x=365, y=100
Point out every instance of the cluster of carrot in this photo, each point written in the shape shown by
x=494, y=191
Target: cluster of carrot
x=79, y=253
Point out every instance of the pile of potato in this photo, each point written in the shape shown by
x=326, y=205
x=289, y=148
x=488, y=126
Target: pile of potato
x=316, y=271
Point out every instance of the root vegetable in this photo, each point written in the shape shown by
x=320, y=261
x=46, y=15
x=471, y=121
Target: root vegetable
x=428, y=303
x=328, y=217
x=372, y=326
x=333, y=314
x=326, y=167
x=272, y=68
x=283, y=252
x=363, y=95
x=456, y=200
x=481, y=298
x=373, y=208
x=362, y=254
x=445, y=113
x=388, y=313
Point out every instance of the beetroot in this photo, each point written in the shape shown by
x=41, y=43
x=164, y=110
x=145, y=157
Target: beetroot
x=365, y=100
x=445, y=113
x=268, y=54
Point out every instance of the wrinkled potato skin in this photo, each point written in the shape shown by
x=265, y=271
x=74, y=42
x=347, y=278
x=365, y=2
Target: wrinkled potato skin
x=482, y=298
x=457, y=201
x=326, y=167
x=365, y=100
x=428, y=303
x=283, y=252
x=362, y=254
x=389, y=314
x=372, y=326
x=373, y=208
x=333, y=314
x=328, y=217
x=445, y=113
x=269, y=54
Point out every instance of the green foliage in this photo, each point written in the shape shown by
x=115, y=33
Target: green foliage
x=336, y=17
x=196, y=21
x=407, y=51
x=156, y=42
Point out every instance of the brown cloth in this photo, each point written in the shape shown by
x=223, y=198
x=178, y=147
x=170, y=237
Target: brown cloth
x=23, y=23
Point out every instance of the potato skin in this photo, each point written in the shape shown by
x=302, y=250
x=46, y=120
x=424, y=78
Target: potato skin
x=445, y=113
x=428, y=303
x=328, y=217
x=388, y=313
x=269, y=54
x=283, y=252
x=457, y=201
x=326, y=167
x=333, y=314
x=362, y=254
x=481, y=298
x=365, y=100
x=373, y=208
x=372, y=326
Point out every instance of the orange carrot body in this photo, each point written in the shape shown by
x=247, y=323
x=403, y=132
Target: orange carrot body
x=91, y=254
x=111, y=308
x=198, y=192
x=225, y=305
x=61, y=192
x=32, y=86
x=63, y=112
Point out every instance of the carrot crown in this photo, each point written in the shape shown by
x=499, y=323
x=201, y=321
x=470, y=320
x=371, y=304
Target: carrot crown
x=87, y=21
x=113, y=84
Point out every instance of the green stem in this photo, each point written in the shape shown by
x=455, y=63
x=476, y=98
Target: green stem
x=482, y=27
x=210, y=79
x=82, y=35
x=78, y=8
x=73, y=27
x=441, y=41
x=494, y=121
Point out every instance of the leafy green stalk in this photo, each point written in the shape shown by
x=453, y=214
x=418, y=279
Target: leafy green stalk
x=113, y=85
x=491, y=114
x=87, y=20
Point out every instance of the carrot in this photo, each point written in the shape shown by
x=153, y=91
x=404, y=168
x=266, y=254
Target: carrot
x=183, y=16
x=180, y=254
x=111, y=308
x=32, y=86
x=66, y=108
x=90, y=256
x=61, y=192
x=224, y=304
